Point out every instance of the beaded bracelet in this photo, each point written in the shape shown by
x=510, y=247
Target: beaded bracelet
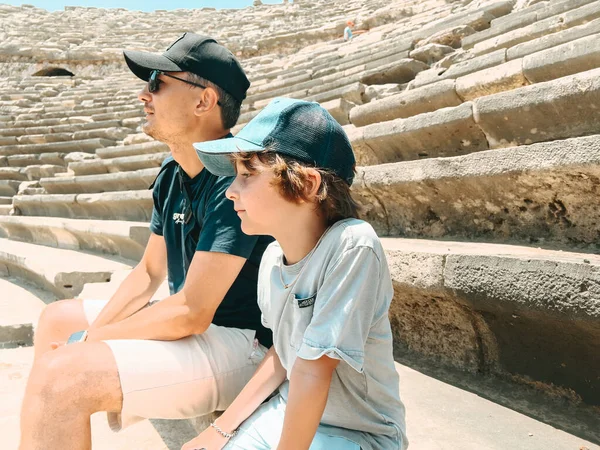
x=223, y=433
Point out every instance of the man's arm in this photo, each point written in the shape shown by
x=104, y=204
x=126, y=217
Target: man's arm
x=139, y=286
x=188, y=312
x=309, y=389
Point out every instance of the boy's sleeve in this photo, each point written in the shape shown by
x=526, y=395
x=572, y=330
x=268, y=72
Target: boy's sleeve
x=344, y=309
x=221, y=228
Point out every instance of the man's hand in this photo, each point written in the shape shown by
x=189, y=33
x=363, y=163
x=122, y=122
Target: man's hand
x=209, y=439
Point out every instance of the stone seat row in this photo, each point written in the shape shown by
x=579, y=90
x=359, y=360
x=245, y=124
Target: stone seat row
x=481, y=196
x=540, y=112
x=575, y=56
x=444, y=284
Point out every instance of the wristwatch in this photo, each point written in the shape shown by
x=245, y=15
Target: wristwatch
x=78, y=336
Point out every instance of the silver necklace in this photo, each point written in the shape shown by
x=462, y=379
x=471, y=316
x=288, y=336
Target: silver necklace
x=291, y=283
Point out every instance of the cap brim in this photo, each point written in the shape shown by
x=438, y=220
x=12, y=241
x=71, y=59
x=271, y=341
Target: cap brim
x=142, y=63
x=215, y=154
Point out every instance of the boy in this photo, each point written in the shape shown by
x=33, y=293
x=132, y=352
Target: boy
x=324, y=290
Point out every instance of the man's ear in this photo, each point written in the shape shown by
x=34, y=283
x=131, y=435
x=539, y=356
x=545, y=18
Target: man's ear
x=206, y=101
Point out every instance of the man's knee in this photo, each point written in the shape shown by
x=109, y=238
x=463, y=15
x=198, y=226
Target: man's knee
x=62, y=317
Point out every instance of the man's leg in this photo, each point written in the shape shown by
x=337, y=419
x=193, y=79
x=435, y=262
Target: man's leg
x=65, y=388
x=57, y=322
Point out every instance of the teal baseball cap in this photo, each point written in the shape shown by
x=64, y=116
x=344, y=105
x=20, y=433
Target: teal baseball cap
x=302, y=130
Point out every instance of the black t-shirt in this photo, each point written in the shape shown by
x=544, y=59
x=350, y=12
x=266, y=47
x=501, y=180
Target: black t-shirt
x=193, y=214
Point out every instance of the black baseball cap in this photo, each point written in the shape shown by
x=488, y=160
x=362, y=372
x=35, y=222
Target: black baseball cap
x=201, y=55
x=302, y=130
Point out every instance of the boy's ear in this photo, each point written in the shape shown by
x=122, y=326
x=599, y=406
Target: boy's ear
x=313, y=183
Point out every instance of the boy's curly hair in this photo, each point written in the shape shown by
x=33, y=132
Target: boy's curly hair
x=334, y=199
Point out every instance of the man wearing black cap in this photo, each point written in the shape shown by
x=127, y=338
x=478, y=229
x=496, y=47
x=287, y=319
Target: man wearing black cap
x=191, y=353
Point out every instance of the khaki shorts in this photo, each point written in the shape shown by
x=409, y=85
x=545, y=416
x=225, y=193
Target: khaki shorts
x=190, y=377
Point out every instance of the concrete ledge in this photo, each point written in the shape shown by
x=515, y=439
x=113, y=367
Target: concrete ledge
x=528, y=313
x=65, y=276
x=127, y=205
x=127, y=239
x=493, y=196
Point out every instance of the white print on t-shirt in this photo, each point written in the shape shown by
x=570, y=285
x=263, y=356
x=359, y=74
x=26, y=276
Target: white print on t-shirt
x=179, y=217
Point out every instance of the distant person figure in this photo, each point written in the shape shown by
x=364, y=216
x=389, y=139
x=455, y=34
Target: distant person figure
x=348, y=31
x=192, y=352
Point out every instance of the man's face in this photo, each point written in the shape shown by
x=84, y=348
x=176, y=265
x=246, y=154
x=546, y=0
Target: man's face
x=170, y=110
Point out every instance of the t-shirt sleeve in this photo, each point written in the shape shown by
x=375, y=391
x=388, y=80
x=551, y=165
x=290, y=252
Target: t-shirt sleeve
x=156, y=222
x=221, y=227
x=344, y=309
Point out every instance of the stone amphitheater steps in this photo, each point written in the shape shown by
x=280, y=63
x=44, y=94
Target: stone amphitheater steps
x=499, y=309
x=126, y=239
x=84, y=145
x=72, y=125
x=60, y=271
x=439, y=416
x=566, y=59
x=126, y=205
x=132, y=150
x=120, y=181
x=540, y=112
x=569, y=18
x=20, y=307
x=522, y=18
x=534, y=194
x=122, y=164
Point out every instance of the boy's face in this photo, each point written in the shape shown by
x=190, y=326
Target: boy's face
x=258, y=202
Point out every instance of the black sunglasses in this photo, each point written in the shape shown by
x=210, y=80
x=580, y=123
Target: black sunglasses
x=154, y=81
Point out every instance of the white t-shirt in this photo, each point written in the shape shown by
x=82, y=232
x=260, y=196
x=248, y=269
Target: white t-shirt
x=338, y=306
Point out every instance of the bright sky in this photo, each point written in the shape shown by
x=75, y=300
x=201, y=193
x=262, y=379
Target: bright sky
x=143, y=5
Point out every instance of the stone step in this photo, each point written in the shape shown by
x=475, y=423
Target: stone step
x=120, y=181
x=486, y=413
x=123, y=164
x=126, y=239
x=53, y=158
x=492, y=195
x=522, y=18
x=498, y=309
x=540, y=112
x=8, y=188
x=70, y=124
x=566, y=59
x=12, y=173
x=84, y=145
x=540, y=28
x=132, y=150
x=553, y=40
x=5, y=200
x=5, y=210
x=67, y=274
x=20, y=307
x=126, y=205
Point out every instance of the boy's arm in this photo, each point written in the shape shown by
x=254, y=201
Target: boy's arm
x=139, y=286
x=309, y=389
x=188, y=312
x=268, y=376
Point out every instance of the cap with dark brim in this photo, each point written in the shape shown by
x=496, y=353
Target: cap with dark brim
x=142, y=63
x=215, y=154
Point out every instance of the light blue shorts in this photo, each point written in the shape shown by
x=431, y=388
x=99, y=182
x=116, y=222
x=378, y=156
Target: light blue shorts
x=262, y=430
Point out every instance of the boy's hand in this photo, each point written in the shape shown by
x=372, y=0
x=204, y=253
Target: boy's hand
x=209, y=439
